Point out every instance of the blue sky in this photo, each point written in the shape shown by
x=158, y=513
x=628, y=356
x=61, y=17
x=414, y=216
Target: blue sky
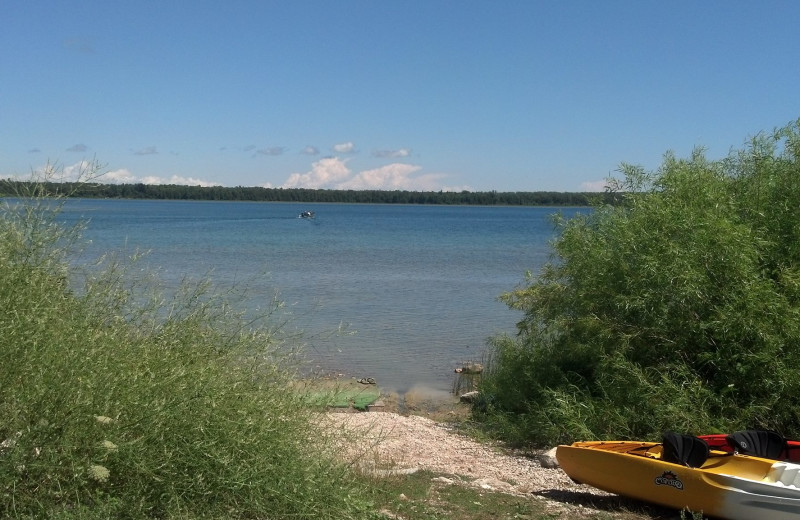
x=500, y=95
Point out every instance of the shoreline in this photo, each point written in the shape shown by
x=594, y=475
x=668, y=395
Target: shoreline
x=343, y=394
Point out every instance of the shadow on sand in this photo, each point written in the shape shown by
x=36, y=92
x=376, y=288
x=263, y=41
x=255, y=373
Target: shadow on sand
x=613, y=504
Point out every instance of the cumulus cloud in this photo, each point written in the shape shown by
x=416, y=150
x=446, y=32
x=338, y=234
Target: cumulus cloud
x=399, y=176
x=125, y=176
x=271, y=151
x=69, y=173
x=392, y=154
x=395, y=176
x=83, y=171
x=177, y=179
x=347, y=147
x=78, y=148
x=87, y=171
x=310, y=150
x=147, y=150
x=325, y=173
x=594, y=185
x=121, y=176
x=333, y=173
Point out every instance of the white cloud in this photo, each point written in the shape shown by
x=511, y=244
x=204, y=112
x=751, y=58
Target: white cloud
x=78, y=148
x=390, y=177
x=347, y=147
x=325, y=173
x=310, y=150
x=392, y=154
x=124, y=176
x=121, y=176
x=177, y=179
x=75, y=172
x=85, y=171
x=594, y=185
x=333, y=173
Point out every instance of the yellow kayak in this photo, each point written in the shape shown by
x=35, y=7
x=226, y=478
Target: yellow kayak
x=719, y=484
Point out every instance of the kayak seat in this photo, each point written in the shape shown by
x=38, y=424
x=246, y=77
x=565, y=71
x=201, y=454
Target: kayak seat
x=766, y=444
x=683, y=449
x=784, y=474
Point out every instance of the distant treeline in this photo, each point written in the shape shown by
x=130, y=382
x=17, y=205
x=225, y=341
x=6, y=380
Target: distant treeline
x=258, y=194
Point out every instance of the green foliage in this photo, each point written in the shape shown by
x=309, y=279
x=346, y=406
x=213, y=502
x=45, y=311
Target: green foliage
x=114, y=406
x=676, y=309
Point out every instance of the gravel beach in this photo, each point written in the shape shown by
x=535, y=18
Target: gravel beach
x=393, y=444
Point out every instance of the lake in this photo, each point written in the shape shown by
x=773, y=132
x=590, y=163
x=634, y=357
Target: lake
x=413, y=288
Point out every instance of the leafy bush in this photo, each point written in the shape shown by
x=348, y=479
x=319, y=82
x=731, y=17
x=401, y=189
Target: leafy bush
x=116, y=405
x=677, y=309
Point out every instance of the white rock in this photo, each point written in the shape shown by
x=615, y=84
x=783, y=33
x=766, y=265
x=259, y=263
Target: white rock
x=548, y=459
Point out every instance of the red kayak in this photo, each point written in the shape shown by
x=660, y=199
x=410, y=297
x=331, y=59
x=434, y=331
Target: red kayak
x=757, y=443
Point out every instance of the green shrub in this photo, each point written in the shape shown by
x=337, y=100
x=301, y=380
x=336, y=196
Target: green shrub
x=113, y=404
x=676, y=309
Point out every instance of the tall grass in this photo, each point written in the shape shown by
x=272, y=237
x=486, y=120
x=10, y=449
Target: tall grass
x=117, y=405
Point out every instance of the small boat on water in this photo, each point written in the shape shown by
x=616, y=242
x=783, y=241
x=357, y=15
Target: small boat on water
x=682, y=472
x=307, y=214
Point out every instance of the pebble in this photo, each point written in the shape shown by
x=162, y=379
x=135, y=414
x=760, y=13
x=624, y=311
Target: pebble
x=418, y=442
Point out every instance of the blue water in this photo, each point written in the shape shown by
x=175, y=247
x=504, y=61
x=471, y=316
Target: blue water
x=413, y=288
